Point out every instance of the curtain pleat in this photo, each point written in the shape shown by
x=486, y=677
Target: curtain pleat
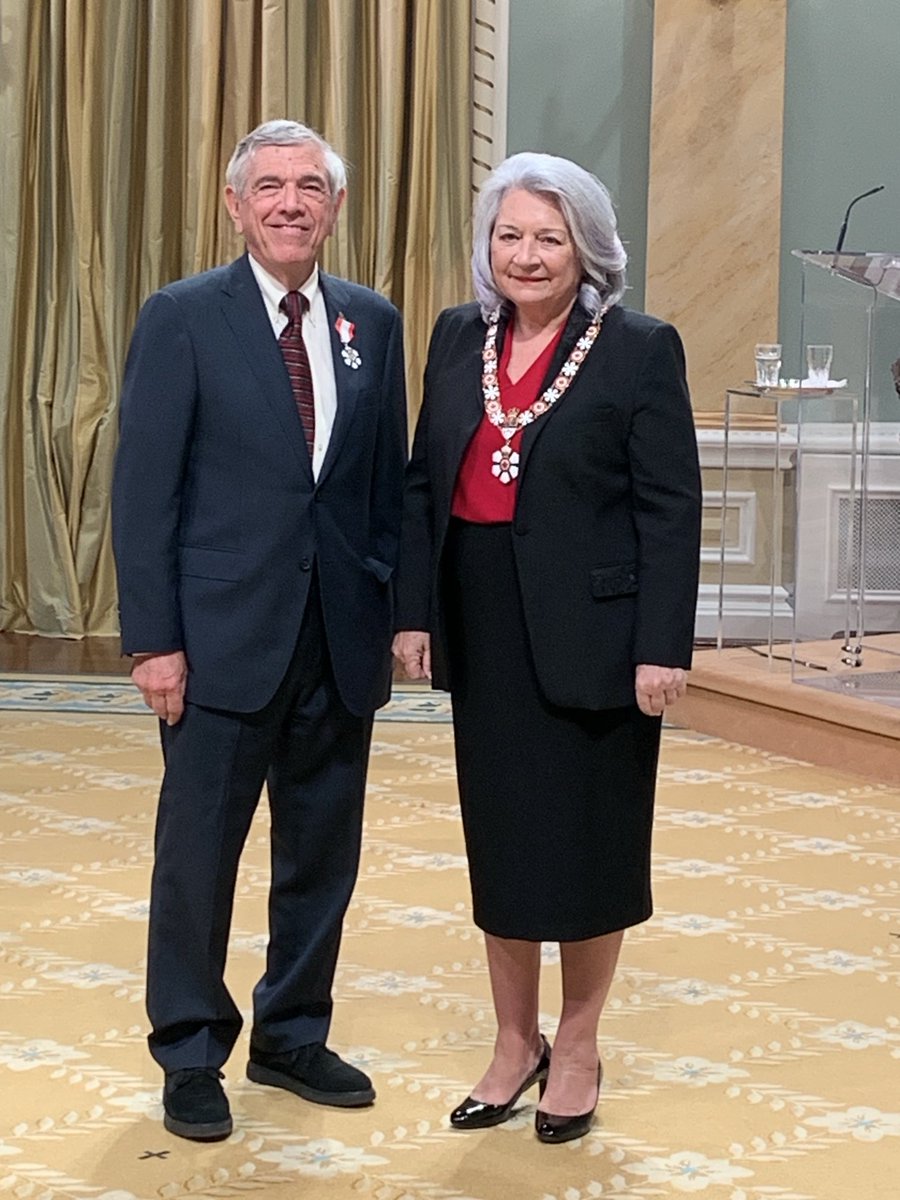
x=119, y=119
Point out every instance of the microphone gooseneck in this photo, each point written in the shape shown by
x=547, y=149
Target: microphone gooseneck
x=861, y=196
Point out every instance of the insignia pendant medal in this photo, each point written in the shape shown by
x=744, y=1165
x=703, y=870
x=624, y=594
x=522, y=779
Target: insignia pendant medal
x=505, y=461
x=345, y=330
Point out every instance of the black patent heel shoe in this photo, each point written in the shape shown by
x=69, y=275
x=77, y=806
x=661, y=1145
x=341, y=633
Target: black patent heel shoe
x=553, y=1129
x=476, y=1114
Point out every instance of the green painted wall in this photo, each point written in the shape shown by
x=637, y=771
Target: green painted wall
x=579, y=86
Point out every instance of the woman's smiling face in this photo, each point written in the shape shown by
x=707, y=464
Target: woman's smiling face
x=533, y=258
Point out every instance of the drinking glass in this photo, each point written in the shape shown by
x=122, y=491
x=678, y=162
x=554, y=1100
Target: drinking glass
x=818, y=364
x=768, y=364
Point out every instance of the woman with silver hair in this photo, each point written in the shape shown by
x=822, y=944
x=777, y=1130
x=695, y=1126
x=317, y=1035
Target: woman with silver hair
x=548, y=579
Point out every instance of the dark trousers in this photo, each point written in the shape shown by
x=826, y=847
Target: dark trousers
x=313, y=754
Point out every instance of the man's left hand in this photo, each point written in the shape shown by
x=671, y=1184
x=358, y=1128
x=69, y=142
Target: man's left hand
x=656, y=687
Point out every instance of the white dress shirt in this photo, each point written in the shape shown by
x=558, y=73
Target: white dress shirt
x=317, y=339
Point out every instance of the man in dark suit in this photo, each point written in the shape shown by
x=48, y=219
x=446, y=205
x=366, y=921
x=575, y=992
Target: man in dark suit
x=256, y=506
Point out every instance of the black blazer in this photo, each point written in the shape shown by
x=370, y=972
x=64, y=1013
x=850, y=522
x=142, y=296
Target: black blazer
x=606, y=532
x=217, y=520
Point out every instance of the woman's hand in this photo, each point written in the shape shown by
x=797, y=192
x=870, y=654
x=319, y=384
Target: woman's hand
x=655, y=687
x=412, y=649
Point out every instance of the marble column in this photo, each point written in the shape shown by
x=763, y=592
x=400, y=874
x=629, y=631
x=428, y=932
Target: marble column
x=713, y=236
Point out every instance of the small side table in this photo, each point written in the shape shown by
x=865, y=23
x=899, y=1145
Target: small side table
x=771, y=422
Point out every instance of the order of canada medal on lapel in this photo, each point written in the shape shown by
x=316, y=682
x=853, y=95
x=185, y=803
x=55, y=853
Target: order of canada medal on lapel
x=346, y=331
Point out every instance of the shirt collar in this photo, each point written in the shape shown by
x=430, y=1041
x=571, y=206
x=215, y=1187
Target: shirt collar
x=273, y=291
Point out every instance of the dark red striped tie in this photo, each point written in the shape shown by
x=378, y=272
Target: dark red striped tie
x=297, y=362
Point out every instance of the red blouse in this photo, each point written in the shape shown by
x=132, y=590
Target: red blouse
x=479, y=496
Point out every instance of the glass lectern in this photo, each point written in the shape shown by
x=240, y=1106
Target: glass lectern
x=847, y=571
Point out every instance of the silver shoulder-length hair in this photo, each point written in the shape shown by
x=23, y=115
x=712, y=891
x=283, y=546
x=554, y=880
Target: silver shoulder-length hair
x=589, y=215
x=282, y=133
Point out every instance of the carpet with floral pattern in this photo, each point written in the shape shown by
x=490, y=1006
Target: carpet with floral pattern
x=751, y=1042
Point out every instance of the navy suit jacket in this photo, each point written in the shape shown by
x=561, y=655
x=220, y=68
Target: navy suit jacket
x=606, y=533
x=217, y=520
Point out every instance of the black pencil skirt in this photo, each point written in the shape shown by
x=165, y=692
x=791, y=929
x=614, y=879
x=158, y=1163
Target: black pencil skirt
x=557, y=803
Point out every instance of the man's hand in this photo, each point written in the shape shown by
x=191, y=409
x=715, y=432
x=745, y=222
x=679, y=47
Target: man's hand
x=655, y=687
x=161, y=679
x=412, y=649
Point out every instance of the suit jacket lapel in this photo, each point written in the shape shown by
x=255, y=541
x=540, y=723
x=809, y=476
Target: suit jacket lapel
x=245, y=313
x=348, y=382
x=466, y=414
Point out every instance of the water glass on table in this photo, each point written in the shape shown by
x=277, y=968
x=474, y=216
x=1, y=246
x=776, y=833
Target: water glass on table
x=768, y=364
x=818, y=364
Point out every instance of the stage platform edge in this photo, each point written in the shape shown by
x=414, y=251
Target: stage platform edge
x=739, y=695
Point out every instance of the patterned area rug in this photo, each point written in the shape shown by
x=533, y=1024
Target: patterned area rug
x=120, y=697
x=750, y=1044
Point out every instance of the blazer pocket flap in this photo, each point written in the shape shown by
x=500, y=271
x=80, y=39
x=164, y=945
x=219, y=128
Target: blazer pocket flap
x=618, y=579
x=379, y=569
x=207, y=563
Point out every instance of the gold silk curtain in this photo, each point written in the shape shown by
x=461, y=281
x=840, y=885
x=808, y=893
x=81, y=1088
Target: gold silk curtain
x=119, y=117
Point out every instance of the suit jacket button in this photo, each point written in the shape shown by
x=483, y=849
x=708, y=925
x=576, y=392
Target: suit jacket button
x=305, y=564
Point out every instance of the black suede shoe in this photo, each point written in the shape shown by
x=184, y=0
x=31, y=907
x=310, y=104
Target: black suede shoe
x=313, y=1072
x=196, y=1106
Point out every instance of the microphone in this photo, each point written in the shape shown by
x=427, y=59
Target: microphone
x=843, y=233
